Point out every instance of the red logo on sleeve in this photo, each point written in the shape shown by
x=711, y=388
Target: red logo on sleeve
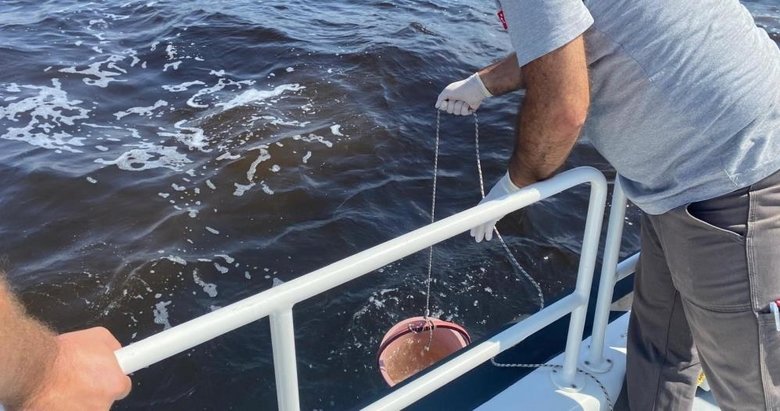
x=502, y=19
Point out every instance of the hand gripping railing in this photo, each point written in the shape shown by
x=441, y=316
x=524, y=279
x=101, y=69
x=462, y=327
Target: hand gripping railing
x=277, y=302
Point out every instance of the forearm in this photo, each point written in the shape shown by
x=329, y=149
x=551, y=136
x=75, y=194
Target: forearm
x=540, y=150
x=503, y=76
x=552, y=113
x=27, y=348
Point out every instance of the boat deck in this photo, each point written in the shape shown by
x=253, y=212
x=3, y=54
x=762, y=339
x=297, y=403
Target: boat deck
x=530, y=388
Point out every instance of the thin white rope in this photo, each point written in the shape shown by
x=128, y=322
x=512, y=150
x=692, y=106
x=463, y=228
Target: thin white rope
x=431, y=324
x=433, y=217
x=509, y=254
x=529, y=278
x=556, y=367
x=514, y=261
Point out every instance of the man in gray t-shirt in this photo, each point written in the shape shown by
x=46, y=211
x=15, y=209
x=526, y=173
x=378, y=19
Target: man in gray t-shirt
x=683, y=99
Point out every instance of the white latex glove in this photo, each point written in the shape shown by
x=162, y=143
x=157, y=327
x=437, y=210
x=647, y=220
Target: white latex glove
x=503, y=187
x=463, y=97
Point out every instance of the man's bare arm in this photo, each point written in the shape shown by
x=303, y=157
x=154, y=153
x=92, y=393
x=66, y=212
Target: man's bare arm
x=27, y=349
x=43, y=371
x=552, y=114
x=503, y=76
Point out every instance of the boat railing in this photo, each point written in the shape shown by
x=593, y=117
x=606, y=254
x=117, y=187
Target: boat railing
x=277, y=303
x=611, y=273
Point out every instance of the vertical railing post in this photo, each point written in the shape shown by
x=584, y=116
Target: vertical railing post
x=285, y=364
x=617, y=216
x=590, y=247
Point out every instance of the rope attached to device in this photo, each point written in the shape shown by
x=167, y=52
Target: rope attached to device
x=528, y=277
x=509, y=254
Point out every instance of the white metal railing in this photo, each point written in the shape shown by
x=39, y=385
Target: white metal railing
x=611, y=272
x=277, y=302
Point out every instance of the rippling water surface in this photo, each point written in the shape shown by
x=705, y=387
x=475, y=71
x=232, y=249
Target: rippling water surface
x=163, y=159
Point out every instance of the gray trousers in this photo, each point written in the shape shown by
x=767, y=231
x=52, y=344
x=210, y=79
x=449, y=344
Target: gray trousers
x=706, y=276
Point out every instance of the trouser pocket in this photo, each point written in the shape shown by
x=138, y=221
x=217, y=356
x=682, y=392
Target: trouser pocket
x=727, y=215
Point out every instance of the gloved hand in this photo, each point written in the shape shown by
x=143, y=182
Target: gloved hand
x=463, y=97
x=503, y=187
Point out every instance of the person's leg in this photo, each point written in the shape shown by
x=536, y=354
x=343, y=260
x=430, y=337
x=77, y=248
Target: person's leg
x=662, y=365
x=763, y=251
x=724, y=256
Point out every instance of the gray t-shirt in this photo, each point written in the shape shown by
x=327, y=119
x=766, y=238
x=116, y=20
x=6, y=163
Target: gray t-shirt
x=685, y=96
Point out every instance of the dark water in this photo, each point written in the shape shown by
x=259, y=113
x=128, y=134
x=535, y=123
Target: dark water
x=162, y=159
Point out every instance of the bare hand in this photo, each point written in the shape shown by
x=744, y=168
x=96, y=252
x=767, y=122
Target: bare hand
x=85, y=375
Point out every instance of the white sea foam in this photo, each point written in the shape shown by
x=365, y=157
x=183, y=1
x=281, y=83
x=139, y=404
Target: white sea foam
x=116, y=17
x=254, y=96
x=263, y=156
x=176, y=259
x=212, y=230
x=208, y=288
x=242, y=188
x=313, y=137
x=335, y=130
x=45, y=112
x=160, y=313
x=222, y=269
x=141, y=111
x=228, y=156
x=197, y=100
x=97, y=22
x=133, y=132
x=377, y=303
x=148, y=156
x=134, y=56
x=228, y=259
x=192, y=137
x=306, y=157
x=265, y=188
x=104, y=75
x=183, y=86
x=174, y=65
x=279, y=122
x=171, y=51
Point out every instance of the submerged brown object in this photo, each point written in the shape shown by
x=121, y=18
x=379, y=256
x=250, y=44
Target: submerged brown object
x=410, y=346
